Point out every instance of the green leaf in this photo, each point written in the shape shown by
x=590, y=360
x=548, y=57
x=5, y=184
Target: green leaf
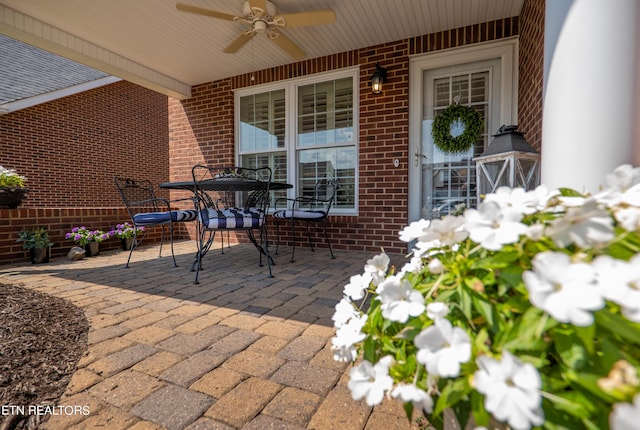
x=480, y=414
x=568, y=192
x=574, y=402
x=451, y=394
x=587, y=336
x=571, y=351
x=619, y=325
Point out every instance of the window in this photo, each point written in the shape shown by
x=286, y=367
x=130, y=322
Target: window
x=305, y=130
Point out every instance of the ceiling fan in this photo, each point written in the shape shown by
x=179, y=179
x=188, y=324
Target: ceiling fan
x=261, y=16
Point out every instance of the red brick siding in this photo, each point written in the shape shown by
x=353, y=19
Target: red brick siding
x=202, y=129
x=70, y=149
x=531, y=69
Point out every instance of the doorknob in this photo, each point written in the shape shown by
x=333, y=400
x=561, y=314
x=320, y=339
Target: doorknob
x=418, y=155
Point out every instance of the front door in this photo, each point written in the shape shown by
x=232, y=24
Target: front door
x=441, y=183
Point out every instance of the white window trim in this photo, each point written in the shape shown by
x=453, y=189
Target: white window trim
x=290, y=87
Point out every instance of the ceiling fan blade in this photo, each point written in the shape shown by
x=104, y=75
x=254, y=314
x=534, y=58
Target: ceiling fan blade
x=304, y=19
x=239, y=42
x=202, y=11
x=287, y=45
x=260, y=4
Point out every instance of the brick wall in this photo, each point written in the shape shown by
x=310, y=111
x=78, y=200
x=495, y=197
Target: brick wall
x=70, y=149
x=531, y=70
x=202, y=129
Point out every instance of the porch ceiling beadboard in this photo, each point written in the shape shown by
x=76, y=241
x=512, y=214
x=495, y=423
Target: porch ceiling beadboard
x=151, y=43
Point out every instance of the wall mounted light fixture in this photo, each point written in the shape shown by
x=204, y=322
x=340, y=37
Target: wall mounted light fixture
x=378, y=78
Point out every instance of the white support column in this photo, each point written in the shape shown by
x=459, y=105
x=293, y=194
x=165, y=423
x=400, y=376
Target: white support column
x=590, y=86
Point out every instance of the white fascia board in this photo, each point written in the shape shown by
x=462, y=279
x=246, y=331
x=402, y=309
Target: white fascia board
x=57, y=94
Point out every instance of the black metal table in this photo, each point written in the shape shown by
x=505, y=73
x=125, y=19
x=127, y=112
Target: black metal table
x=225, y=184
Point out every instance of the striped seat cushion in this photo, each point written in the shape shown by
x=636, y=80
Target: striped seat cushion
x=300, y=214
x=150, y=218
x=232, y=218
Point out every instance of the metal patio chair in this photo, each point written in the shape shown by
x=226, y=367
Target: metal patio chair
x=313, y=208
x=147, y=210
x=217, y=193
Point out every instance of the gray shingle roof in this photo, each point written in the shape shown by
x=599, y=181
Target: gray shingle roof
x=26, y=71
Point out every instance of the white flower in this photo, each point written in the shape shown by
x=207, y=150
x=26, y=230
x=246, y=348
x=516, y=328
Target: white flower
x=413, y=266
x=437, y=310
x=442, y=348
x=445, y=231
x=624, y=187
x=344, y=312
x=535, y=231
x=347, y=335
x=492, y=227
x=625, y=416
x=411, y=393
x=399, y=300
x=370, y=382
x=585, y=225
x=357, y=286
x=620, y=283
x=511, y=389
x=629, y=218
x=377, y=267
x=414, y=230
x=524, y=202
x=435, y=266
x=567, y=291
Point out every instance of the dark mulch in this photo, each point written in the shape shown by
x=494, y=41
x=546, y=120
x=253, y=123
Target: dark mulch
x=41, y=340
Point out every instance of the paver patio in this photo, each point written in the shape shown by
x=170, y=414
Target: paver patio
x=240, y=350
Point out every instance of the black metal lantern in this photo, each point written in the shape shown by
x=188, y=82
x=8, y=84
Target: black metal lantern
x=508, y=161
x=378, y=78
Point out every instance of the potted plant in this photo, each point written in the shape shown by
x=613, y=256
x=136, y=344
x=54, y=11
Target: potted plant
x=12, y=189
x=37, y=242
x=125, y=232
x=88, y=239
x=524, y=311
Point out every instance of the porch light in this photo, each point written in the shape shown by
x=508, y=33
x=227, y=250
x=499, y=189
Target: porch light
x=378, y=78
x=508, y=161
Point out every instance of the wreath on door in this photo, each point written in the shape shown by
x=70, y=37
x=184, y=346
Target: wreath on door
x=463, y=116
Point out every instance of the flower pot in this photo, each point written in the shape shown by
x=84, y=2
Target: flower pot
x=126, y=243
x=39, y=255
x=11, y=197
x=92, y=249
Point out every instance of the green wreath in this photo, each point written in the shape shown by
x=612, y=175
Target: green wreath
x=441, y=129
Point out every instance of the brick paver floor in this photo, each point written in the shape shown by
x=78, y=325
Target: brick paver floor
x=240, y=350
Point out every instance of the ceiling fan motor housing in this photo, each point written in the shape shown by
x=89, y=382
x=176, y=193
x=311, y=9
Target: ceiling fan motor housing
x=249, y=13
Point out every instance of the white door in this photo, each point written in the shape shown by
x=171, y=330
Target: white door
x=441, y=182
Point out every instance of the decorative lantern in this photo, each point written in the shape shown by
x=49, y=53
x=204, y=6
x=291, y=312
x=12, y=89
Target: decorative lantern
x=508, y=161
x=378, y=78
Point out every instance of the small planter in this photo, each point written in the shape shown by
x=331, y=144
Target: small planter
x=40, y=255
x=126, y=243
x=11, y=197
x=92, y=249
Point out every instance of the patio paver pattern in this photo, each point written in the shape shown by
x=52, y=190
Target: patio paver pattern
x=240, y=350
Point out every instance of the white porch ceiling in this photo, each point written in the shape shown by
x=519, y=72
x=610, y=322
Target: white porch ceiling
x=151, y=43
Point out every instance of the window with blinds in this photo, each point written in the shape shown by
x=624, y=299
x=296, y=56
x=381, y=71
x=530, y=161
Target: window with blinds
x=320, y=114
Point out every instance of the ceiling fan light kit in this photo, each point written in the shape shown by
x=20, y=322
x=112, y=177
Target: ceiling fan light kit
x=261, y=16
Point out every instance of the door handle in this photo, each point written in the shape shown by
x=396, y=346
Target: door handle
x=418, y=155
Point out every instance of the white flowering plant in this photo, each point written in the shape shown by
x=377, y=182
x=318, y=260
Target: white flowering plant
x=525, y=310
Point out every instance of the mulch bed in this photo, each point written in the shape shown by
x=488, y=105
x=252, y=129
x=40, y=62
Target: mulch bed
x=41, y=340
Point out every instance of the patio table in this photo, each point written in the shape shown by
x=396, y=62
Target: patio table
x=225, y=184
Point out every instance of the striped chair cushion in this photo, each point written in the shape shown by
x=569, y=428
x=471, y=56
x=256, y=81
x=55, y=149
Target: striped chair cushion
x=150, y=218
x=232, y=218
x=298, y=214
